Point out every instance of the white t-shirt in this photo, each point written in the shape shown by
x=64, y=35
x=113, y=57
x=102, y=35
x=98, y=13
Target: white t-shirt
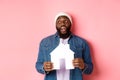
x=62, y=73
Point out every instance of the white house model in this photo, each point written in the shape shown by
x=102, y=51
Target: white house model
x=62, y=52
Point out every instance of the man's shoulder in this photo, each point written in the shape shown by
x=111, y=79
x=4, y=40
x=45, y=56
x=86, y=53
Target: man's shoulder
x=78, y=37
x=50, y=36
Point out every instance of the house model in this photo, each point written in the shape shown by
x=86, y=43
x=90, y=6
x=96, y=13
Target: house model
x=63, y=51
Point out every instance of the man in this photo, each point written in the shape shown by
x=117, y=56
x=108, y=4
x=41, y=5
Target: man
x=82, y=59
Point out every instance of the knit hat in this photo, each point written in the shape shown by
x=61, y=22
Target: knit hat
x=63, y=14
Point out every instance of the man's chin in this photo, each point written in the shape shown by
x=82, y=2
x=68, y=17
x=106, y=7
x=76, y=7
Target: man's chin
x=64, y=35
x=63, y=32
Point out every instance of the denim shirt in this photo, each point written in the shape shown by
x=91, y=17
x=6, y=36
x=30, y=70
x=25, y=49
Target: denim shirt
x=78, y=45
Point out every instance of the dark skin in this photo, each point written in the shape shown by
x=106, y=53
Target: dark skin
x=63, y=26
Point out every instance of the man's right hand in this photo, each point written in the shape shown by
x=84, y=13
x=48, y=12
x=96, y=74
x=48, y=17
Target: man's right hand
x=48, y=66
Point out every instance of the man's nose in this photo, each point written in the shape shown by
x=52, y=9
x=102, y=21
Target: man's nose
x=62, y=24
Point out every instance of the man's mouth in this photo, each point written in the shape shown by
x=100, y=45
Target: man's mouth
x=63, y=28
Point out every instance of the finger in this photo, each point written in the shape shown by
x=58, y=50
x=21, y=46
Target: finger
x=76, y=64
x=49, y=65
x=78, y=59
x=82, y=66
x=48, y=69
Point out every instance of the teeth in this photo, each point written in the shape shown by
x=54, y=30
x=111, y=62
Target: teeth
x=63, y=27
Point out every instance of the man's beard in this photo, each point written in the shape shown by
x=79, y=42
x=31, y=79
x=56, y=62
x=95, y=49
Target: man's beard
x=65, y=35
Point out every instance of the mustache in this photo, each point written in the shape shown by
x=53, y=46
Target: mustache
x=63, y=27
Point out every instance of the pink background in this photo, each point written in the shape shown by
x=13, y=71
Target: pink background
x=23, y=23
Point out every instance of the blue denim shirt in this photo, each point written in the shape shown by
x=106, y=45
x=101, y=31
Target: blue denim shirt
x=77, y=44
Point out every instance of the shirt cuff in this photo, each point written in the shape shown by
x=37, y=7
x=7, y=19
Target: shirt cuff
x=86, y=66
x=46, y=72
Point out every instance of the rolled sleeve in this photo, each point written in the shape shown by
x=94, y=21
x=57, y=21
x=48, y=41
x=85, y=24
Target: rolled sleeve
x=87, y=60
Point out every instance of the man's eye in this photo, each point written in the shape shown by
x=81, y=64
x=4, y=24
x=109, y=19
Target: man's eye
x=59, y=22
x=66, y=21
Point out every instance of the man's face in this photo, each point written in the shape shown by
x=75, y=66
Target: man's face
x=63, y=26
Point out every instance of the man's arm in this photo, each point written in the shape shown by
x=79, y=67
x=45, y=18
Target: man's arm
x=42, y=65
x=40, y=60
x=87, y=59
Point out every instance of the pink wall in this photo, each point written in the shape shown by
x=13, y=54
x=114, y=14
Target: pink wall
x=23, y=23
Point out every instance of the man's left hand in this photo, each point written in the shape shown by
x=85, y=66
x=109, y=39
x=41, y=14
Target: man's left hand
x=78, y=62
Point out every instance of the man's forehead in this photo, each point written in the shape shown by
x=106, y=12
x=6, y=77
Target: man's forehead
x=62, y=17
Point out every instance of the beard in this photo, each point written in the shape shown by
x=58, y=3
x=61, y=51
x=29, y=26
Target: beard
x=64, y=32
